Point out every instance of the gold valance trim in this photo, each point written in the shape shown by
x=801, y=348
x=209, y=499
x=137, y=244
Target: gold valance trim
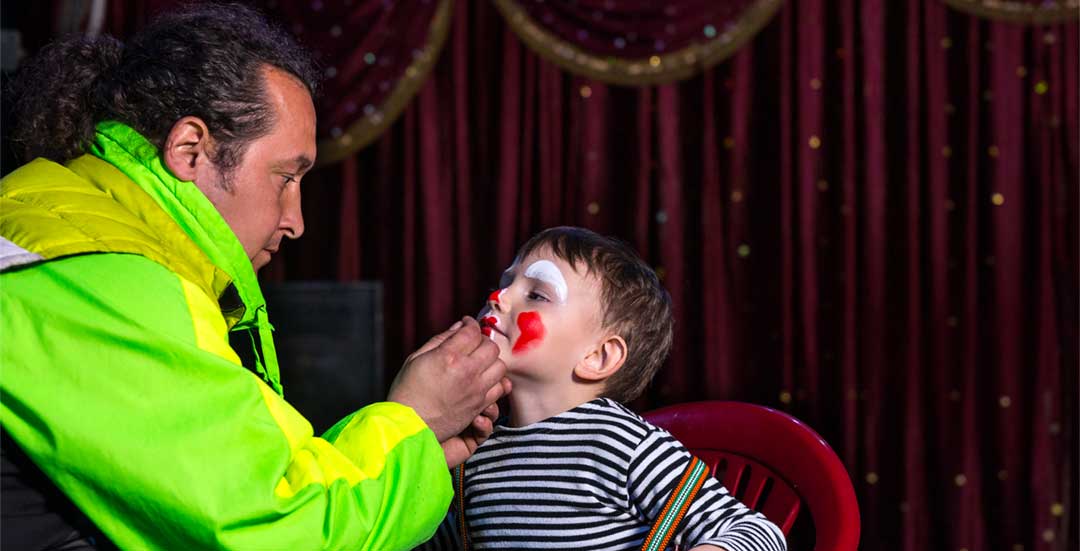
x=370, y=126
x=657, y=69
x=1020, y=12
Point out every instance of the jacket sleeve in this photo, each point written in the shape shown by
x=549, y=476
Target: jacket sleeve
x=713, y=516
x=118, y=382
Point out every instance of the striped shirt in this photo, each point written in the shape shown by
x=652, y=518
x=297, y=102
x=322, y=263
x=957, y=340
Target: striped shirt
x=593, y=478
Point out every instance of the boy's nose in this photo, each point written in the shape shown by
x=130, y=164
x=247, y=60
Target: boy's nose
x=496, y=300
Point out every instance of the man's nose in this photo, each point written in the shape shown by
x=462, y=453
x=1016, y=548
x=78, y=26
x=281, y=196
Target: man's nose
x=292, y=216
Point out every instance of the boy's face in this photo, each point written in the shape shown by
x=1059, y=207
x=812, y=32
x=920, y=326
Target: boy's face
x=545, y=317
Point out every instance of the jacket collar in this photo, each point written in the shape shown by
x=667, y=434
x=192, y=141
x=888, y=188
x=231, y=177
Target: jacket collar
x=131, y=153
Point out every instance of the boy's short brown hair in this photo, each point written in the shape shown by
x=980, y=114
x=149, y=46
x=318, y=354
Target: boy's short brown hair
x=635, y=305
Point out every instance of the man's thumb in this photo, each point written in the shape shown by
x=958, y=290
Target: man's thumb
x=435, y=341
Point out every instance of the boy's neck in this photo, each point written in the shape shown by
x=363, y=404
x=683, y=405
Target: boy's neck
x=532, y=401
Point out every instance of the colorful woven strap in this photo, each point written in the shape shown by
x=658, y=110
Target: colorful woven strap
x=459, y=501
x=677, y=504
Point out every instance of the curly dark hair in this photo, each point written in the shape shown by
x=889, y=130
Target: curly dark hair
x=205, y=60
x=635, y=305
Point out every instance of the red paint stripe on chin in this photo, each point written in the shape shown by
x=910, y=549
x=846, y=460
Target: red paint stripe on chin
x=532, y=331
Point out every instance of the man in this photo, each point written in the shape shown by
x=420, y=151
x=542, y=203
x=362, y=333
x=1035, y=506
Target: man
x=167, y=172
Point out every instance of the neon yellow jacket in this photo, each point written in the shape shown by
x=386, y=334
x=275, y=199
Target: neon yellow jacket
x=117, y=379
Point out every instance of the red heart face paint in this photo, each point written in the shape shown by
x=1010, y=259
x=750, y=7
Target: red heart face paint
x=532, y=331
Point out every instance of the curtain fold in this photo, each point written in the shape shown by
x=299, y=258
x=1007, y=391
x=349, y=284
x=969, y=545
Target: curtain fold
x=634, y=42
x=375, y=56
x=1038, y=12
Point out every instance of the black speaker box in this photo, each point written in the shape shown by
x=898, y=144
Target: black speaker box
x=329, y=338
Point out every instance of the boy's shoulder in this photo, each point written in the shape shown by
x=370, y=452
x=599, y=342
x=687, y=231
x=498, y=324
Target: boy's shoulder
x=611, y=412
x=646, y=431
x=600, y=417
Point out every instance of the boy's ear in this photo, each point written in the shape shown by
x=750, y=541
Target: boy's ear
x=187, y=148
x=602, y=361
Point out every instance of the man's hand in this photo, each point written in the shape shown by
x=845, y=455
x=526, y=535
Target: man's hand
x=450, y=381
x=461, y=447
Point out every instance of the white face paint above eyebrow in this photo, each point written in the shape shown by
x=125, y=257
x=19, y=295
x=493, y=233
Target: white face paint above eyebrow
x=548, y=272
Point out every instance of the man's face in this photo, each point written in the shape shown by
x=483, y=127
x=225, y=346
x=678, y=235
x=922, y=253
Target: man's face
x=544, y=317
x=260, y=197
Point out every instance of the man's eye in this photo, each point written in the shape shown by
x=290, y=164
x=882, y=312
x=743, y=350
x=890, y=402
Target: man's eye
x=286, y=179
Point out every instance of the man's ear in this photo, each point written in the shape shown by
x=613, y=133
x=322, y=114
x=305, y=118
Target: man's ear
x=187, y=148
x=602, y=361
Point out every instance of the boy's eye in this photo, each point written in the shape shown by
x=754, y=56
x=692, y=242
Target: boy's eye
x=537, y=296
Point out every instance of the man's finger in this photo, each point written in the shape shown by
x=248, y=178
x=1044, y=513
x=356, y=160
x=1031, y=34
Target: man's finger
x=491, y=412
x=485, y=353
x=466, y=339
x=495, y=392
x=482, y=425
x=435, y=341
x=491, y=375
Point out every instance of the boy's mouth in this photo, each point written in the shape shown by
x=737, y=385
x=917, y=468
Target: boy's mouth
x=490, y=325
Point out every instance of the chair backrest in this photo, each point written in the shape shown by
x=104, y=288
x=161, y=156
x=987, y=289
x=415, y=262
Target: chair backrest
x=772, y=462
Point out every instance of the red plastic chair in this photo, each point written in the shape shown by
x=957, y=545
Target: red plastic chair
x=772, y=462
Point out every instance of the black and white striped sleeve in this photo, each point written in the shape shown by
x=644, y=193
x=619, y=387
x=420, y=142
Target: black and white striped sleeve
x=714, y=517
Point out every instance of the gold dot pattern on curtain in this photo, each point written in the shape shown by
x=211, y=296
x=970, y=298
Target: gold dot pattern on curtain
x=715, y=45
x=343, y=142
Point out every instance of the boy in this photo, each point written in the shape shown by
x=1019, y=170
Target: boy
x=583, y=324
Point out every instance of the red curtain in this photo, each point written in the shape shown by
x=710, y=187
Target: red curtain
x=375, y=55
x=633, y=28
x=867, y=217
